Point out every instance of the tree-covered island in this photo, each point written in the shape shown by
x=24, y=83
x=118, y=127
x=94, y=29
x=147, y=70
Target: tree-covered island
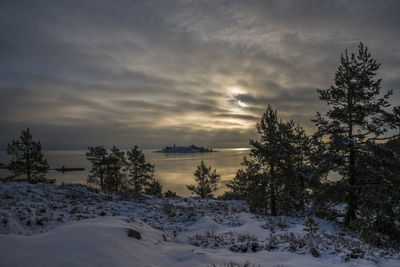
x=185, y=149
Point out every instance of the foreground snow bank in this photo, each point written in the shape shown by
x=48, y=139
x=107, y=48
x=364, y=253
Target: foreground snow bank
x=104, y=242
x=49, y=225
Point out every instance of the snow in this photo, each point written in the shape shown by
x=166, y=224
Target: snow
x=104, y=242
x=72, y=225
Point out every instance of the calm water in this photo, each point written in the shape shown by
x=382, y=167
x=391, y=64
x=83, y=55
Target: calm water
x=173, y=170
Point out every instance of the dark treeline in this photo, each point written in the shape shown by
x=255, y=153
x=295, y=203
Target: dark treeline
x=117, y=171
x=287, y=171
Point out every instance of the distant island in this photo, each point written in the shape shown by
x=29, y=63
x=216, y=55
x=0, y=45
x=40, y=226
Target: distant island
x=185, y=149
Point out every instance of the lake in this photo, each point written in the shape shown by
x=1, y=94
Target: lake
x=173, y=170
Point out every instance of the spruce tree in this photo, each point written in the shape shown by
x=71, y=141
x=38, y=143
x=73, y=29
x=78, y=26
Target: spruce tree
x=140, y=173
x=207, y=180
x=97, y=156
x=27, y=158
x=357, y=118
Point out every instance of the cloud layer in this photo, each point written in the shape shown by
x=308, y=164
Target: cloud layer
x=154, y=73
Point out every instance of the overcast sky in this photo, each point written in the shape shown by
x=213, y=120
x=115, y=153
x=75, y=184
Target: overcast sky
x=154, y=73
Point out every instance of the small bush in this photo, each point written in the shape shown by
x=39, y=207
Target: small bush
x=169, y=193
x=311, y=227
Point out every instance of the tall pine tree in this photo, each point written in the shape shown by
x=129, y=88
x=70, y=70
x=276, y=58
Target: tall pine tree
x=269, y=152
x=357, y=118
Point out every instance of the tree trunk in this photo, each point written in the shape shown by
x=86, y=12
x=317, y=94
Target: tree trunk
x=273, y=201
x=28, y=166
x=116, y=182
x=302, y=192
x=273, y=195
x=352, y=194
x=101, y=178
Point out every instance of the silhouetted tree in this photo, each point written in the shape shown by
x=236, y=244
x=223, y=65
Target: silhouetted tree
x=357, y=118
x=98, y=157
x=279, y=171
x=139, y=172
x=115, y=177
x=27, y=158
x=298, y=170
x=239, y=185
x=270, y=153
x=250, y=184
x=207, y=181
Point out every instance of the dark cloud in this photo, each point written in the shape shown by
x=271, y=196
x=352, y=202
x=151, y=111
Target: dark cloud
x=159, y=72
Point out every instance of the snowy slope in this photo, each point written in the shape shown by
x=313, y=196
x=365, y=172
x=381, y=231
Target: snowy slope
x=49, y=225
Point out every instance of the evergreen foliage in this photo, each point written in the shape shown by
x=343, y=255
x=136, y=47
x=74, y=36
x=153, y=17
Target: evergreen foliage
x=207, y=181
x=279, y=169
x=115, y=177
x=299, y=172
x=379, y=194
x=27, y=158
x=139, y=172
x=154, y=188
x=240, y=184
x=122, y=172
x=269, y=152
x=357, y=119
x=98, y=157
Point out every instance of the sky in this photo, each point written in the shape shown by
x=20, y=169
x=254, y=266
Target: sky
x=157, y=73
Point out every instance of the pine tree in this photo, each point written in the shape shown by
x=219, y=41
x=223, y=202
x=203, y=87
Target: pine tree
x=279, y=171
x=98, y=156
x=207, y=181
x=115, y=177
x=27, y=158
x=140, y=173
x=273, y=153
x=357, y=118
x=269, y=152
x=298, y=173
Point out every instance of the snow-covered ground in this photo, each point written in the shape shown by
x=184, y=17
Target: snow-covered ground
x=72, y=225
